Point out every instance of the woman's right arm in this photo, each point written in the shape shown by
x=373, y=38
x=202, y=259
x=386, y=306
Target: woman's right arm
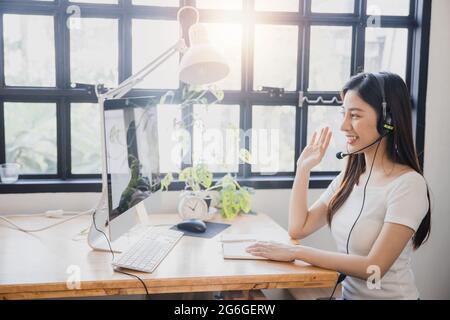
x=304, y=221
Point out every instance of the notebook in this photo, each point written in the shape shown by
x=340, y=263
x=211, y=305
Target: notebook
x=239, y=237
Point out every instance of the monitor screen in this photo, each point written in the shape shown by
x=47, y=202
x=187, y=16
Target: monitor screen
x=132, y=152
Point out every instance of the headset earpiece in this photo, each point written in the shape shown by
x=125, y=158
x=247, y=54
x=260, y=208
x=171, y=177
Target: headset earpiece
x=385, y=124
x=388, y=126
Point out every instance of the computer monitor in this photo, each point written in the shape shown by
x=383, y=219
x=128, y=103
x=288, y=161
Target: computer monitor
x=132, y=161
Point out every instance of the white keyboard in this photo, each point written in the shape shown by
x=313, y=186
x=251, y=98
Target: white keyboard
x=147, y=253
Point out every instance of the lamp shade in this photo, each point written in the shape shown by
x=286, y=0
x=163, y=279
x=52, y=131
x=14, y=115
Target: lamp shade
x=202, y=63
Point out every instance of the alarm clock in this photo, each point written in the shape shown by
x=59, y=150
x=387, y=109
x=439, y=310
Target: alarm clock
x=193, y=207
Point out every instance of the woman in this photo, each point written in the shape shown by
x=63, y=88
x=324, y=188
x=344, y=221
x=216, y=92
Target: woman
x=377, y=208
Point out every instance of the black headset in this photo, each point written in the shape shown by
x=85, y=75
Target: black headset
x=384, y=127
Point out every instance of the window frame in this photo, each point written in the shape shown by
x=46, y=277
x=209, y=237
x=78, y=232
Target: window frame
x=417, y=23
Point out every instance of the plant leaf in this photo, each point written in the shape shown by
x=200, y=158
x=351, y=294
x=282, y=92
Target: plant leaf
x=203, y=175
x=245, y=156
x=166, y=181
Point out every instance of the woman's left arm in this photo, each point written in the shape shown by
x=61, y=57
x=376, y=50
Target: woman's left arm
x=386, y=249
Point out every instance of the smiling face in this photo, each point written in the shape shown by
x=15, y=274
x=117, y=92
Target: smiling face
x=359, y=122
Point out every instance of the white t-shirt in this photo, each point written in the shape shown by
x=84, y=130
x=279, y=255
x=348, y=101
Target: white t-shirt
x=402, y=201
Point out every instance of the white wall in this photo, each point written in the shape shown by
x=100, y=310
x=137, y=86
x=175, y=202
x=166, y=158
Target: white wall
x=432, y=262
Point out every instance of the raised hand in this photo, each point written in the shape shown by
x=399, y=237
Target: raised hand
x=313, y=153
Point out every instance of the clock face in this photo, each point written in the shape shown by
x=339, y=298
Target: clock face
x=192, y=207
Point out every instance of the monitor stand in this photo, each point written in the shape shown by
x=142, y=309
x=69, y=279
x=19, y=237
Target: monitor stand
x=98, y=232
x=96, y=238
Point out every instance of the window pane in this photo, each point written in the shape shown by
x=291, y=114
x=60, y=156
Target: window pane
x=279, y=5
x=160, y=3
x=228, y=38
x=29, y=50
x=30, y=136
x=172, y=138
x=85, y=138
x=150, y=39
x=145, y=122
x=216, y=137
x=273, y=139
x=220, y=4
x=275, y=57
x=95, y=1
x=386, y=50
x=333, y=6
x=330, y=57
x=116, y=140
x=388, y=7
x=94, y=52
x=321, y=117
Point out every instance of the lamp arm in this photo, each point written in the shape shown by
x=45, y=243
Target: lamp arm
x=136, y=78
x=123, y=88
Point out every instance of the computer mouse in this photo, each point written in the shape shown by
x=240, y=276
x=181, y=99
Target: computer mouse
x=193, y=225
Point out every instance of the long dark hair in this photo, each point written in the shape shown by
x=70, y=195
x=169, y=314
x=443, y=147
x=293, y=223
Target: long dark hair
x=400, y=145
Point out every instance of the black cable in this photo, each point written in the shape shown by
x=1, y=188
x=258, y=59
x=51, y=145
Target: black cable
x=113, y=256
x=133, y=275
x=104, y=234
x=342, y=276
x=364, y=198
x=339, y=280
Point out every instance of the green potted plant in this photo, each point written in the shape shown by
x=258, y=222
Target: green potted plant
x=228, y=196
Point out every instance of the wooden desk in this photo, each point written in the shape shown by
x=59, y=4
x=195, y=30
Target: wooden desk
x=39, y=265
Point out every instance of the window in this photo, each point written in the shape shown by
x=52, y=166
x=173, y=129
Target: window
x=49, y=121
x=280, y=5
x=94, y=52
x=216, y=137
x=220, y=4
x=30, y=136
x=171, y=146
x=96, y=1
x=386, y=49
x=330, y=53
x=230, y=45
x=161, y=3
x=29, y=50
x=330, y=116
x=274, y=67
x=148, y=37
x=85, y=138
x=332, y=6
x=273, y=139
x=388, y=8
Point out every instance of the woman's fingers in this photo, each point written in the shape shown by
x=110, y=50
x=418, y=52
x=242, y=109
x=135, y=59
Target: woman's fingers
x=323, y=137
x=313, y=138
x=320, y=137
x=257, y=245
x=256, y=250
x=260, y=254
x=260, y=250
x=327, y=140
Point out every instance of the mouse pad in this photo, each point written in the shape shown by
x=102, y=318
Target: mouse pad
x=212, y=229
